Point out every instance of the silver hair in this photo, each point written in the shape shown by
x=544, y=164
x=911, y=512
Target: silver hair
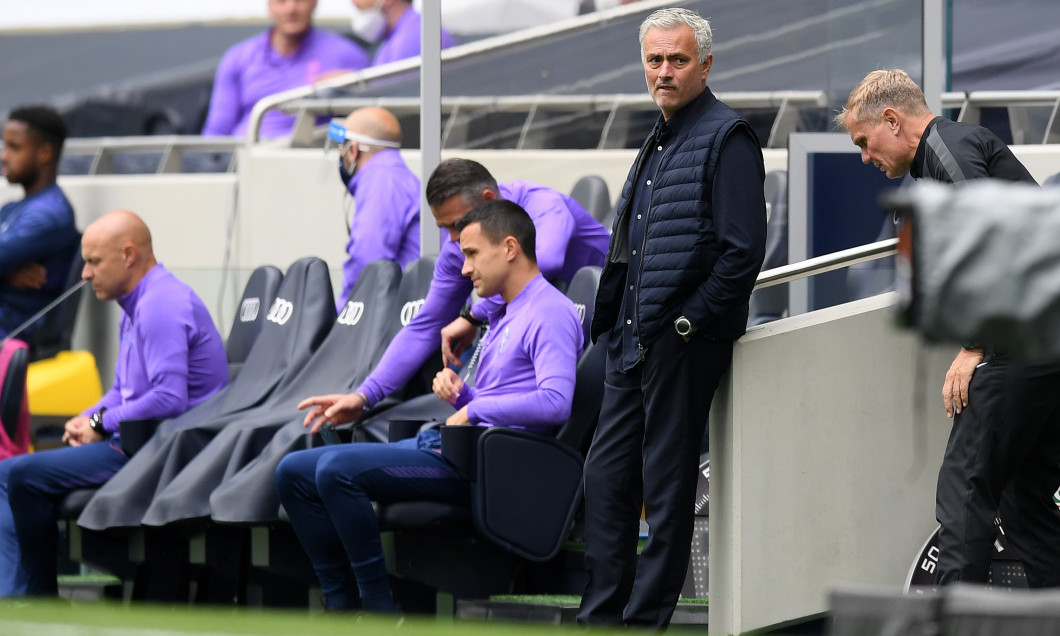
x=674, y=18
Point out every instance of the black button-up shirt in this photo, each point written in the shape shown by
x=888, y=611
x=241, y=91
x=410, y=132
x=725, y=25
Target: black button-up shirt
x=624, y=346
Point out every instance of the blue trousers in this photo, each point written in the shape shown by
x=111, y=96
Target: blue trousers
x=328, y=494
x=30, y=489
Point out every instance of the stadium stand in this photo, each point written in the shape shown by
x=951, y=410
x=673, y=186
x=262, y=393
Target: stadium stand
x=842, y=432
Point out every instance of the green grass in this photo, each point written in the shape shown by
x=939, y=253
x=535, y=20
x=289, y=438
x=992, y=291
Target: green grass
x=48, y=618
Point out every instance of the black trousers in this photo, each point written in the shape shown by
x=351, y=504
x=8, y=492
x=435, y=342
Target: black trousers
x=646, y=452
x=1003, y=459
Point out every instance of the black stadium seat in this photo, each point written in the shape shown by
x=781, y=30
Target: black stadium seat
x=247, y=493
x=523, y=512
x=258, y=295
x=301, y=317
x=591, y=192
x=343, y=360
x=771, y=303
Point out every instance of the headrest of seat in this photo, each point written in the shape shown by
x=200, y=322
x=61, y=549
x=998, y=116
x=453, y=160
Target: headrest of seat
x=582, y=292
x=257, y=298
x=592, y=193
x=294, y=324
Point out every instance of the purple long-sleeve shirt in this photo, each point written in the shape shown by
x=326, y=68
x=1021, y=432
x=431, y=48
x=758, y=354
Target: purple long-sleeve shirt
x=527, y=365
x=170, y=357
x=252, y=70
x=568, y=238
x=404, y=40
x=386, y=219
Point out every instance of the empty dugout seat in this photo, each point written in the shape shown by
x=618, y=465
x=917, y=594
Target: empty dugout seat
x=258, y=295
x=301, y=316
x=524, y=512
x=771, y=303
x=591, y=192
x=247, y=493
x=351, y=350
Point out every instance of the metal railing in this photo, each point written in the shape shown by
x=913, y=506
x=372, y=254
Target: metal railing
x=170, y=148
x=827, y=263
x=460, y=108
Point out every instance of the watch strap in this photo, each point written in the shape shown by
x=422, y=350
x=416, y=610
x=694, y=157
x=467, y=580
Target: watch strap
x=466, y=314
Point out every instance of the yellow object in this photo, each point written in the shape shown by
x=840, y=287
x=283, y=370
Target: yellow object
x=64, y=385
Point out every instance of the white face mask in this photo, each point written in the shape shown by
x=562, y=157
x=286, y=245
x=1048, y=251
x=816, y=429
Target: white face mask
x=368, y=24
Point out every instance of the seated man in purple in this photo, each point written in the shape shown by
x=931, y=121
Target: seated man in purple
x=568, y=238
x=386, y=219
x=290, y=54
x=395, y=24
x=525, y=380
x=170, y=358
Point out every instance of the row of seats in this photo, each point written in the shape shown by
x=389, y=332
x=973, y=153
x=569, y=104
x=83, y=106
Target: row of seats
x=215, y=464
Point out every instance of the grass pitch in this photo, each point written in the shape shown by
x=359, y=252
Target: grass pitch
x=61, y=618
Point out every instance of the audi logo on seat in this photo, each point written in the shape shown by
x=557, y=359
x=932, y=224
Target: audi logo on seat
x=351, y=313
x=581, y=311
x=281, y=311
x=248, y=311
x=410, y=309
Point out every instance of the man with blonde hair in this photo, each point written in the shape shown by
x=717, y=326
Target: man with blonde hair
x=995, y=458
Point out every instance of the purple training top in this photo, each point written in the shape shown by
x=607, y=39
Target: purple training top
x=253, y=70
x=386, y=220
x=404, y=40
x=170, y=357
x=568, y=238
x=528, y=360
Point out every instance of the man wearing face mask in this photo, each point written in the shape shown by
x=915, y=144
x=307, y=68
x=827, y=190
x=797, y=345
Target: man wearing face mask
x=290, y=54
x=394, y=25
x=386, y=221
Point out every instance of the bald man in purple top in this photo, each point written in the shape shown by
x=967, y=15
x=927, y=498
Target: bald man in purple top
x=386, y=194
x=170, y=358
x=568, y=238
x=525, y=380
x=290, y=54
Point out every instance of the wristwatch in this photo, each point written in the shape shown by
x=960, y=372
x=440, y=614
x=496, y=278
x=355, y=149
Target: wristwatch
x=96, y=422
x=466, y=314
x=684, y=327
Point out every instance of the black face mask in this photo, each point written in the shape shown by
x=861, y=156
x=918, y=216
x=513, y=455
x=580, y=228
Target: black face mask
x=344, y=175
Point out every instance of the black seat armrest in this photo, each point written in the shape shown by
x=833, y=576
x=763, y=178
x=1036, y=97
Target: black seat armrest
x=135, y=433
x=528, y=490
